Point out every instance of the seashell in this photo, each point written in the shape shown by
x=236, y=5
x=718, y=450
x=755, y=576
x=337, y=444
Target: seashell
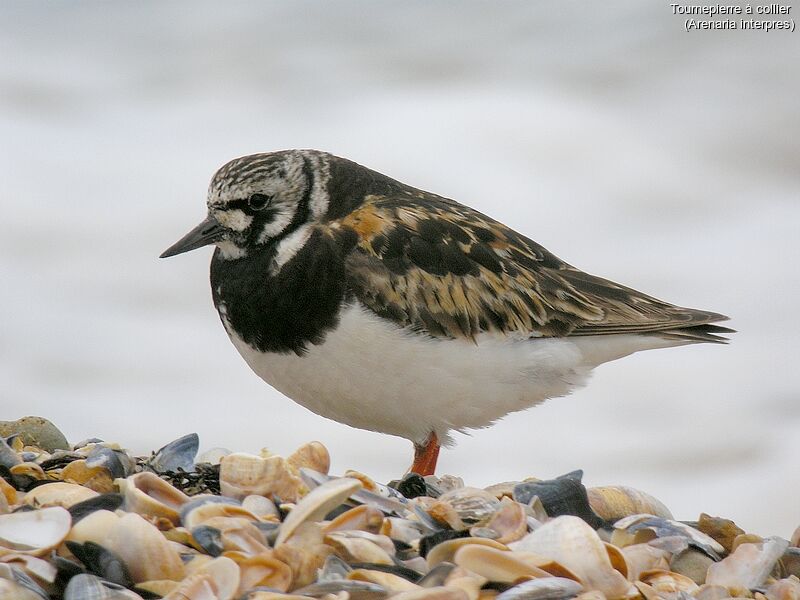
x=144, y=550
x=364, y=518
x=785, y=589
x=402, y=530
x=613, y=503
x=8, y=457
x=711, y=592
x=101, y=562
x=98, y=478
x=242, y=474
x=198, y=511
x=41, y=569
x=8, y=492
x=354, y=549
x=574, y=545
x=693, y=564
x=462, y=507
x=434, y=593
x=445, y=551
x=15, y=584
x=749, y=565
x=213, y=455
x=413, y=485
x=58, y=494
x=148, y=495
x=384, y=498
x=591, y=595
x=790, y=562
x=208, y=539
x=646, y=527
x=94, y=527
x=304, y=552
x=564, y=495
x=216, y=580
x=30, y=470
x=666, y=582
x=334, y=568
x=34, y=532
x=722, y=530
x=391, y=582
x=312, y=455
x=496, y=565
x=549, y=588
x=261, y=570
x=356, y=590
x=236, y=533
x=643, y=557
x=262, y=507
x=113, y=460
x=316, y=504
x=158, y=587
x=178, y=454
x=99, y=502
x=90, y=587
x=746, y=538
x=509, y=523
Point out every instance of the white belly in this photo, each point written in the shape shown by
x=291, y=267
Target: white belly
x=370, y=374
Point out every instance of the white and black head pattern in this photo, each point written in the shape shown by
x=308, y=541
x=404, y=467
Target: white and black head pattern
x=268, y=199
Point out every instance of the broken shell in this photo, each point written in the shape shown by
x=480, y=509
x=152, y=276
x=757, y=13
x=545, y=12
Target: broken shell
x=666, y=582
x=148, y=495
x=574, y=545
x=34, y=532
x=98, y=478
x=643, y=528
x=723, y=531
x=549, y=588
x=462, y=507
x=353, y=549
x=144, y=550
x=364, y=518
x=564, y=495
x=8, y=456
x=312, y=455
x=197, y=512
x=393, y=583
x=355, y=590
x=613, y=503
x=510, y=522
x=749, y=565
x=261, y=570
x=304, y=552
x=8, y=492
x=16, y=584
x=316, y=504
x=434, y=593
x=712, y=592
x=236, y=533
x=113, y=460
x=643, y=557
x=29, y=469
x=218, y=579
x=496, y=565
x=262, y=507
x=91, y=587
x=243, y=474
x=445, y=551
x=785, y=589
x=402, y=530
x=58, y=494
x=178, y=454
x=692, y=563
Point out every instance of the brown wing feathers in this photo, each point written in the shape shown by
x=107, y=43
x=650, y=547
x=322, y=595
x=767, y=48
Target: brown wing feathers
x=443, y=268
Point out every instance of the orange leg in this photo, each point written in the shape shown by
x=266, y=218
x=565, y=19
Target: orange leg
x=425, y=456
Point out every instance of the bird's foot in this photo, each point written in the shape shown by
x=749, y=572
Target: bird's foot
x=425, y=456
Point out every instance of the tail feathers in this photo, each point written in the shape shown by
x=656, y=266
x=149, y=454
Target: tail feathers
x=706, y=332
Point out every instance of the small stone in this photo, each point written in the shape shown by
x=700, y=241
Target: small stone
x=36, y=431
x=693, y=564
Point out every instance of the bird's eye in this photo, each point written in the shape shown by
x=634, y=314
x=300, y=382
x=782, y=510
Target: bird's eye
x=259, y=201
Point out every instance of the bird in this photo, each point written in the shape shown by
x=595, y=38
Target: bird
x=396, y=310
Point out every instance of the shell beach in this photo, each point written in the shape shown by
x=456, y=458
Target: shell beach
x=90, y=521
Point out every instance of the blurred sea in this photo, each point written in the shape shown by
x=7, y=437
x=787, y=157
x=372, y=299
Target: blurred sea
x=665, y=160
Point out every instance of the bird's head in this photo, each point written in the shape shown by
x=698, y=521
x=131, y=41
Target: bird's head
x=257, y=200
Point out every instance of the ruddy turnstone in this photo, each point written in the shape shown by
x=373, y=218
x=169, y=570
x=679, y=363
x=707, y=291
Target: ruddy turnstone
x=392, y=309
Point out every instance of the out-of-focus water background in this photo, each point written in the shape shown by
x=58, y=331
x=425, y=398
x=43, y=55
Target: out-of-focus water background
x=665, y=160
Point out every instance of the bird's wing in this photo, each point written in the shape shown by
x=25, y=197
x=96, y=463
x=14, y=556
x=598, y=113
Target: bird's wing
x=442, y=268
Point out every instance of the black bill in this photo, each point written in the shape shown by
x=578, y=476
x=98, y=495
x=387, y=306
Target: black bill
x=208, y=232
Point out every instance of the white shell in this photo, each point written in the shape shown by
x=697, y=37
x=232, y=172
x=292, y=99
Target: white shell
x=34, y=532
x=748, y=566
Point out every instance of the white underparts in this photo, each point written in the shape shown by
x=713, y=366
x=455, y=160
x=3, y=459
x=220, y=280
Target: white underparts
x=371, y=374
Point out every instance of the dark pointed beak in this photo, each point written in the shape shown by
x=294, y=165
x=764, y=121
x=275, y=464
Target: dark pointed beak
x=208, y=232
